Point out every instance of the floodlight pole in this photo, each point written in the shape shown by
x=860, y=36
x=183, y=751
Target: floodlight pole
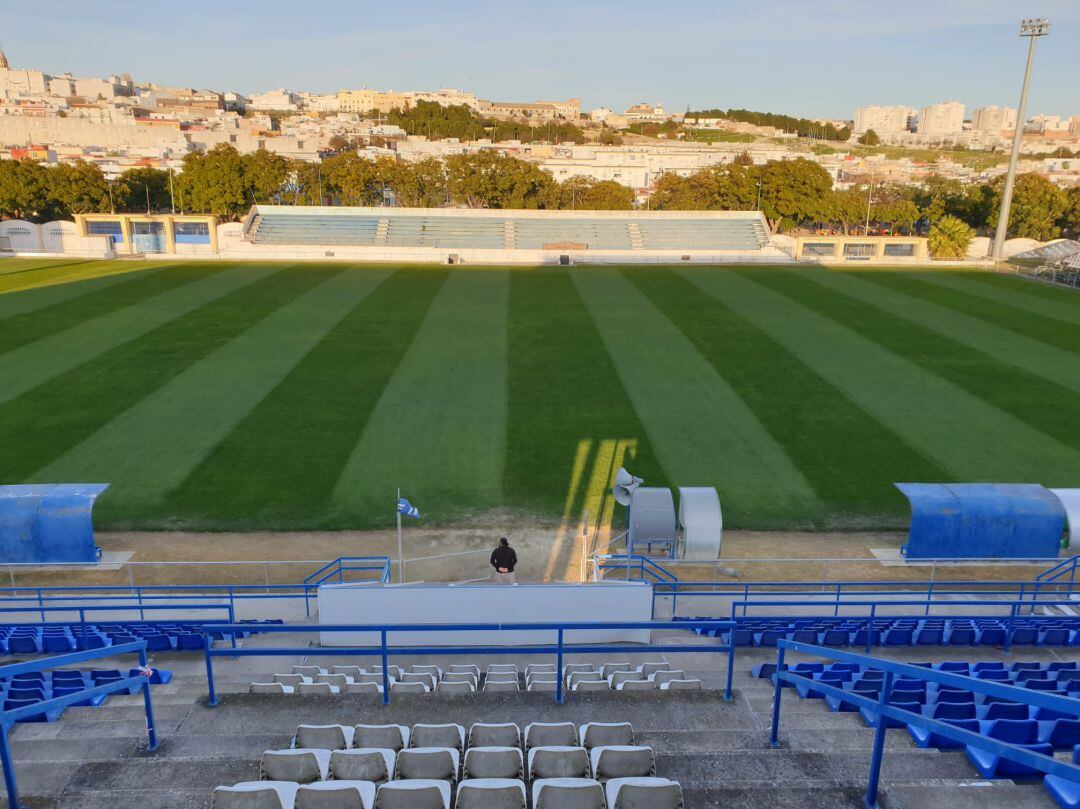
x=1032, y=29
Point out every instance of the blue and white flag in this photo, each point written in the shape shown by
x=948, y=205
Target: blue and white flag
x=407, y=509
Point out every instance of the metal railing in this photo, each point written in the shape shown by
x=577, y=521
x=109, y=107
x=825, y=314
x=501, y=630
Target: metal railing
x=645, y=568
x=559, y=648
x=350, y=564
x=881, y=709
x=9, y=717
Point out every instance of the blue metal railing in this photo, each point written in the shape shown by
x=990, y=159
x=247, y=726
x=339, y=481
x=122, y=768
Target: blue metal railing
x=9, y=718
x=882, y=710
x=1050, y=576
x=1014, y=608
x=559, y=648
x=346, y=564
x=645, y=568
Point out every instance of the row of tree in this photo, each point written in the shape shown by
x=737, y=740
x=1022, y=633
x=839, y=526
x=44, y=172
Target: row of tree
x=437, y=122
x=803, y=127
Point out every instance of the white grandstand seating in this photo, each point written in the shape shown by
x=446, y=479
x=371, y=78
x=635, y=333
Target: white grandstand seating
x=617, y=678
x=598, y=734
x=424, y=677
x=336, y=795
x=256, y=795
x=608, y=669
x=301, y=765
x=501, y=685
x=493, y=762
x=557, y=761
x=409, y=688
x=308, y=671
x=330, y=737
x=437, y=763
x=580, y=793
x=591, y=685
x=681, y=685
x=270, y=688
x=504, y=734
x=317, y=689
x=363, y=688
x=339, y=681
x=349, y=671
x=636, y=685
x=423, y=735
x=413, y=794
x=539, y=734
x=451, y=687
x=487, y=793
x=656, y=793
x=621, y=761
x=392, y=737
x=363, y=764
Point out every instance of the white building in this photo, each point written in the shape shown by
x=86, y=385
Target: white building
x=24, y=82
x=884, y=120
x=1074, y=125
x=946, y=118
x=282, y=100
x=993, y=119
x=1044, y=124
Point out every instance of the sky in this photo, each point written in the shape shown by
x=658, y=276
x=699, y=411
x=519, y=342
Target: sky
x=814, y=59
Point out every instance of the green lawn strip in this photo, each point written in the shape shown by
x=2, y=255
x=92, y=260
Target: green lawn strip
x=44, y=423
x=563, y=390
x=149, y=449
x=439, y=429
x=965, y=286
x=703, y=432
x=49, y=295
x=1038, y=327
x=40, y=323
x=265, y=476
x=1012, y=282
x=957, y=429
x=30, y=365
x=31, y=272
x=849, y=457
x=994, y=339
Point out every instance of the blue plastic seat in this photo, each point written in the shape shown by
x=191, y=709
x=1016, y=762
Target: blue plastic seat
x=1054, y=637
x=836, y=637
x=1063, y=790
x=190, y=642
x=868, y=715
x=1013, y=731
x=927, y=738
x=961, y=637
x=1060, y=734
x=943, y=695
x=991, y=637
x=991, y=765
x=1003, y=710
x=929, y=636
x=158, y=643
x=951, y=710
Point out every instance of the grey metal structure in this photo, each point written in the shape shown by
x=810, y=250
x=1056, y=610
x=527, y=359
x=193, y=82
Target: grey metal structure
x=652, y=519
x=702, y=523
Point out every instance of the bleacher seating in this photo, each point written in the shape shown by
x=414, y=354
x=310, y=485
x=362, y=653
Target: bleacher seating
x=23, y=690
x=160, y=636
x=841, y=632
x=499, y=677
x=423, y=766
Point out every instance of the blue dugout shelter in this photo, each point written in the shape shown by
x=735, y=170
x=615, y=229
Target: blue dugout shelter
x=983, y=520
x=48, y=522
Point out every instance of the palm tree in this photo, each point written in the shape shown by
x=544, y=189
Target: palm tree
x=949, y=238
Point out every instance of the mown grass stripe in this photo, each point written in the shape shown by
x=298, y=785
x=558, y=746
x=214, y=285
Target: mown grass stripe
x=1000, y=343
x=30, y=365
x=564, y=398
x=1024, y=286
x=702, y=430
x=17, y=274
x=439, y=429
x=195, y=410
x=1047, y=330
x=290, y=473
x=44, y=423
x=964, y=285
x=849, y=457
x=39, y=323
x=960, y=431
x=48, y=295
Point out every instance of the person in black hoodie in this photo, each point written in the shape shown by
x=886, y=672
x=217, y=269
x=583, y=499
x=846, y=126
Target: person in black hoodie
x=503, y=560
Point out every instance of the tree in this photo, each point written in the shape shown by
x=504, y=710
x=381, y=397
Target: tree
x=24, y=190
x=214, y=182
x=743, y=159
x=899, y=214
x=265, y=174
x=339, y=143
x=949, y=238
x=419, y=185
x=1070, y=220
x=793, y=192
x=587, y=194
x=133, y=186
x=846, y=208
x=1037, y=207
x=493, y=180
x=78, y=187
x=354, y=179
x=716, y=188
x=870, y=138
x=844, y=133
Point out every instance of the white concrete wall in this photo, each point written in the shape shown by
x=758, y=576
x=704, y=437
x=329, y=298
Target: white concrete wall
x=25, y=237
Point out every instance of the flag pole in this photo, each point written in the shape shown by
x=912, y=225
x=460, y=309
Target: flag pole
x=400, y=554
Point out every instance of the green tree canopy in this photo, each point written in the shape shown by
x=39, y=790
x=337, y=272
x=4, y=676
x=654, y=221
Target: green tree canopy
x=493, y=180
x=793, y=192
x=587, y=194
x=24, y=190
x=869, y=138
x=214, y=182
x=133, y=186
x=1037, y=208
x=949, y=238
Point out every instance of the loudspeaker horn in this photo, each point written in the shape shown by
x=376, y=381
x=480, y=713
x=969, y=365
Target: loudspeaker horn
x=624, y=487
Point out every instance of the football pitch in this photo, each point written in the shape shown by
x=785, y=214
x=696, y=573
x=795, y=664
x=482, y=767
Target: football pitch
x=215, y=396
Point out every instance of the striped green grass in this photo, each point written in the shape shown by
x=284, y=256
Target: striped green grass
x=275, y=396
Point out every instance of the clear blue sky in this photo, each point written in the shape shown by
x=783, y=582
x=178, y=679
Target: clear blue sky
x=819, y=58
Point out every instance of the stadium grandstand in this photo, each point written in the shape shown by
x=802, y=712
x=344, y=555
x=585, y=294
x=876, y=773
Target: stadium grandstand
x=505, y=237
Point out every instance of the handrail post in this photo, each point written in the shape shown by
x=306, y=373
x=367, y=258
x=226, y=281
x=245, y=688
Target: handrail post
x=385, y=672
x=1009, y=630
x=9, y=768
x=41, y=605
x=211, y=692
x=746, y=597
x=774, y=730
x=730, y=663
x=870, y=627
x=82, y=625
x=836, y=607
x=151, y=730
x=138, y=596
x=879, y=744
x=1022, y=587
x=232, y=620
x=559, y=668
x=266, y=578
x=307, y=600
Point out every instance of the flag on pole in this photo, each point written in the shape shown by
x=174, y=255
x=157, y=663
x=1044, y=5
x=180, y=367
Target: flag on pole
x=407, y=509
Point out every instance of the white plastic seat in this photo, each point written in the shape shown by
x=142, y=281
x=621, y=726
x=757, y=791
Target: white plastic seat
x=464, y=668
x=648, y=669
x=419, y=677
x=432, y=763
x=617, y=678
x=362, y=688
x=336, y=795
x=372, y=764
x=323, y=737
x=434, y=671
x=636, y=685
x=392, y=670
x=622, y=761
x=317, y=689
x=546, y=734
x=384, y=737
x=493, y=762
x=681, y=685
x=460, y=677
x=567, y=793
x=543, y=685
x=505, y=734
x=607, y=669
x=399, y=687
x=339, y=681
x=541, y=677
x=598, y=734
x=558, y=761
x=352, y=672
x=255, y=795
x=574, y=668
x=656, y=793
x=502, y=668
x=308, y=671
x=501, y=677
x=300, y=764
x=270, y=688
x=371, y=677
x=537, y=668
x=420, y=793
x=491, y=793
x=291, y=679
x=445, y=687
x=662, y=677
x=591, y=685
x=501, y=685
x=584, y=677
x=446, y=735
